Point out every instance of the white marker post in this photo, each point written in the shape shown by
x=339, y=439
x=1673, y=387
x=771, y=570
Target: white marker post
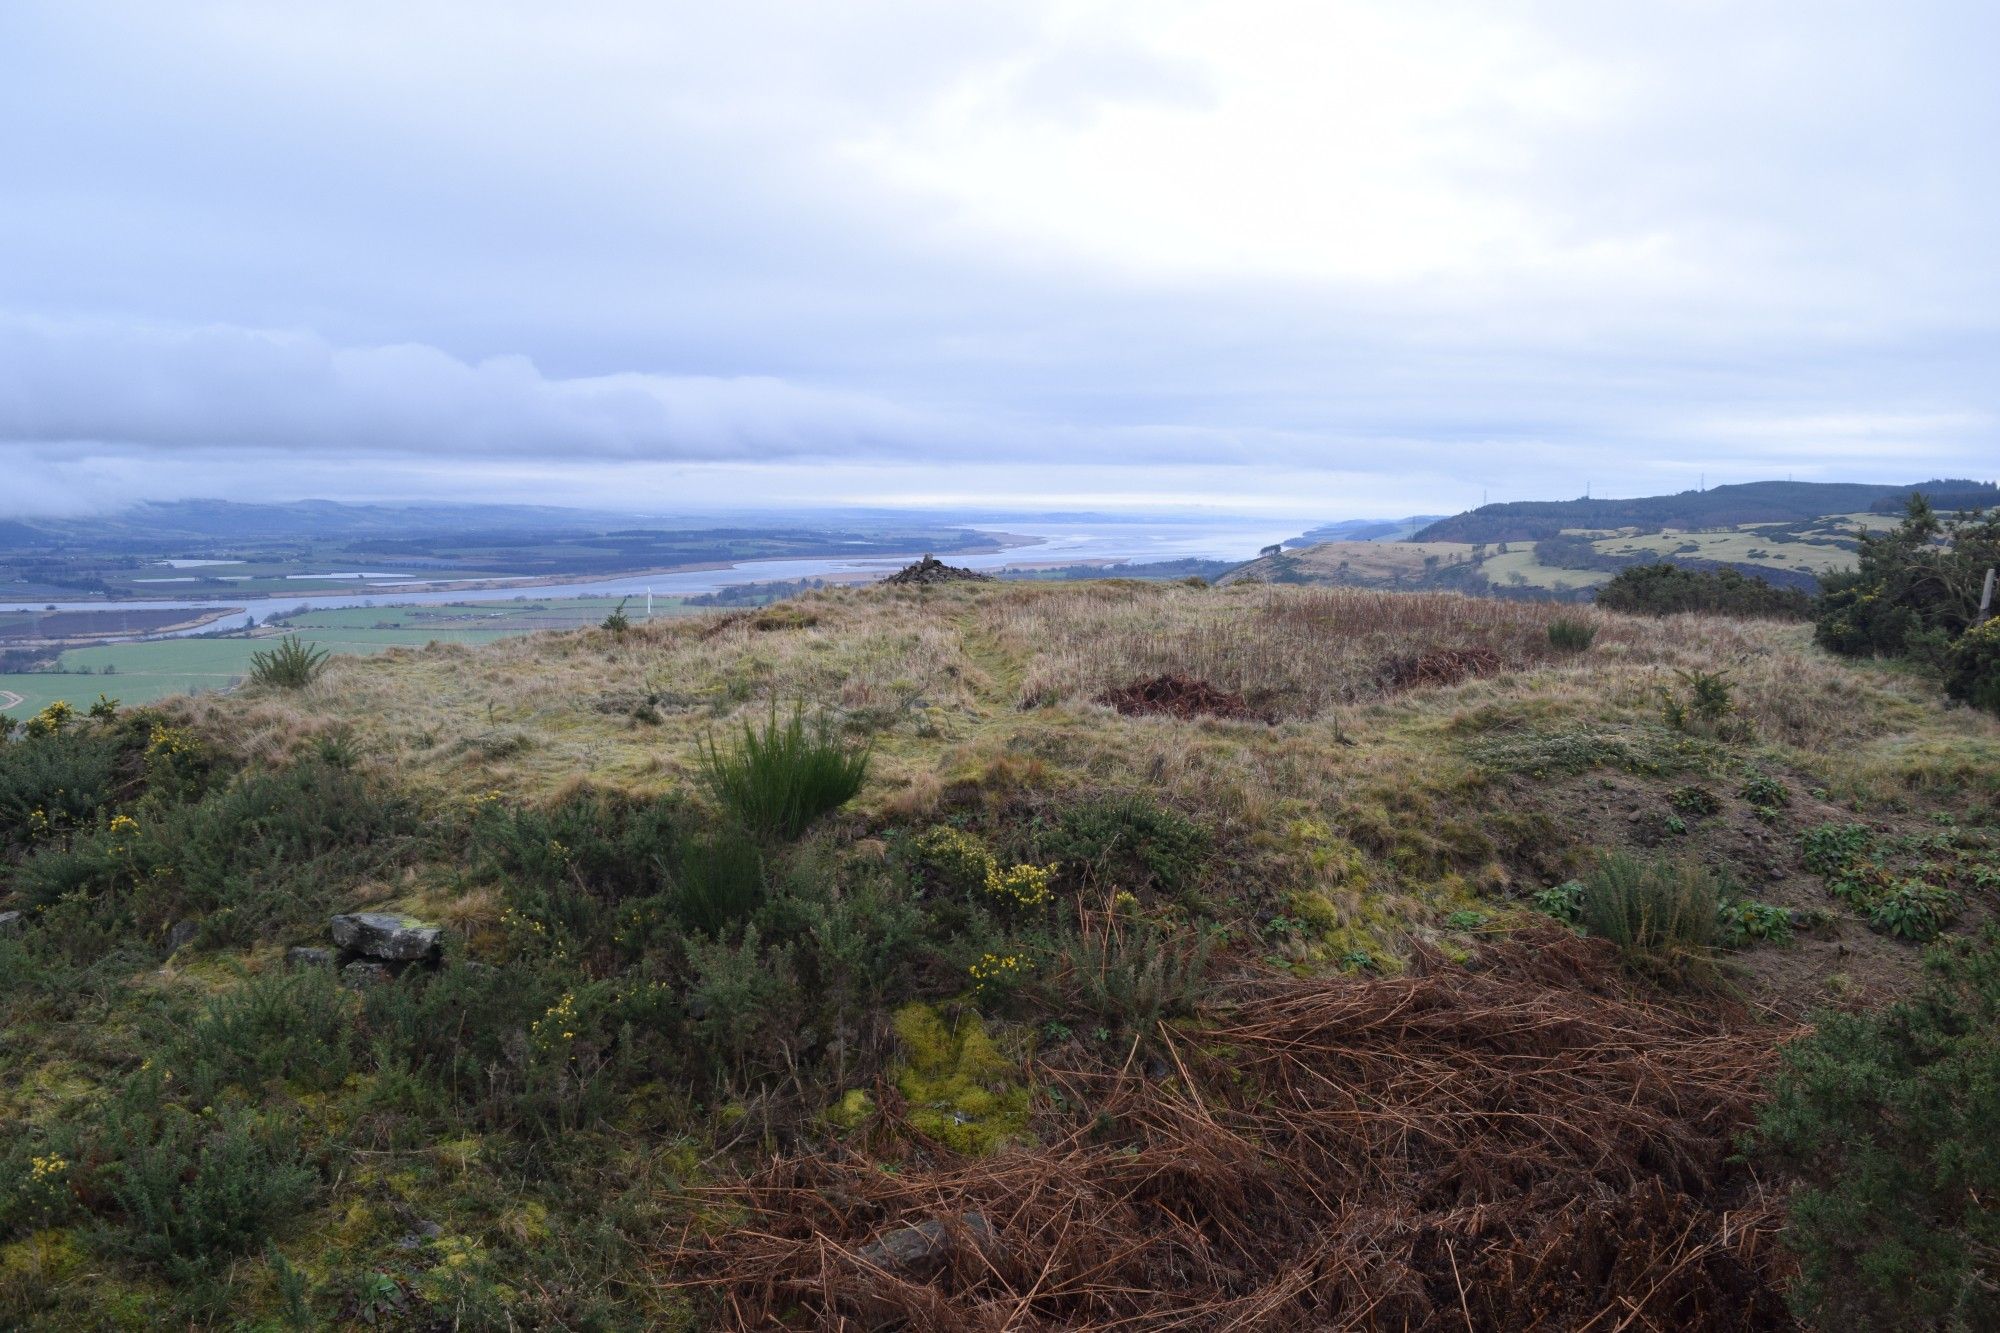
x=1985, y=599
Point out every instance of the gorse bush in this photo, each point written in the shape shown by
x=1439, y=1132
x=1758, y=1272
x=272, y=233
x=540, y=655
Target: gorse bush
x=1914, y=593
x=1668, y=589
x=1571, y=636
x=271, y=848
x=784, y=774
x=55, y=783
x=1131, y=977
x=192, y=1191
x=292, y=665
x=718, y=882
x=1131, y=841
x=1886, y=1120
x=1651, y=907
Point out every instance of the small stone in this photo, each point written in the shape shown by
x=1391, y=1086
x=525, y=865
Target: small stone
x=385, y=935
x=365, y=973
x=913, y=1249
x=12, y=923
x=306, y=956
x=181, y=934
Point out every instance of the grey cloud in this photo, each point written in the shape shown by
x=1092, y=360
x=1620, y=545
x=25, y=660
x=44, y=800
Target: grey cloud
x=221, y=387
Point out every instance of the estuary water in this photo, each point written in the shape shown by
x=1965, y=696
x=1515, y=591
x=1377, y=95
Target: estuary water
x=1136, y=542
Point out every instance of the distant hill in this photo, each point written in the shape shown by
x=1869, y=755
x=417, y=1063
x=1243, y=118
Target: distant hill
x=1365, y=530
x=1718, y=507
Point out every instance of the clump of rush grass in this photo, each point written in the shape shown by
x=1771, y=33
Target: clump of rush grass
x=1571, y=636
x=1657, y=909
x=292, y=665
x=783, y=774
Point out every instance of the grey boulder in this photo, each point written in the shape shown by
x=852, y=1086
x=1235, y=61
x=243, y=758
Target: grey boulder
x=303, y=955
x=365, y=973
x=12, y=923
x=384, y=935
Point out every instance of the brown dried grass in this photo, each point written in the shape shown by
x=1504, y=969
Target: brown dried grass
x=1521, y=1144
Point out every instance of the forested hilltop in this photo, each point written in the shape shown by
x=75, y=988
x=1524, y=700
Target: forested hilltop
x=1717, y=507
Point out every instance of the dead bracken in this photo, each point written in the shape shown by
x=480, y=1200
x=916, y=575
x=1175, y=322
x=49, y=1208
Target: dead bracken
x=1440, y=666
x=1176, y=695
x=1521, y=1143
x=930, y=569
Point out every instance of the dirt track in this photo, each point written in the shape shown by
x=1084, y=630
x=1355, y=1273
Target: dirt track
x=9, y=699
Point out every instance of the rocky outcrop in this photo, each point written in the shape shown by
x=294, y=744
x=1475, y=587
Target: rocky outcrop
x=386, y=937
x=373, y=947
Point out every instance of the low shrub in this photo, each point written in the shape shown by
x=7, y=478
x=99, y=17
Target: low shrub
x=1694, y=800
x=1701, y=705
x=1740, y=924
x=55, y=783
x=292, y=665
x=271, y=848
x=1764, y=791
x=1830, y=849
x=1562, y=901
x=782, y=776
x=1913, y=910
x=1132, y=976
x=1972, y=667
x=952, y=858
x=1886, y=1121
x=190, y=1192
x=718, y=882
x=1131, y=841
x=1668, y=589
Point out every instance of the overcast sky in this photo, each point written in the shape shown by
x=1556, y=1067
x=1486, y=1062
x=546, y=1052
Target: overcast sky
x=1316, y=258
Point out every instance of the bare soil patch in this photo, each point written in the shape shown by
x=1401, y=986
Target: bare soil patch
x=1184, y=697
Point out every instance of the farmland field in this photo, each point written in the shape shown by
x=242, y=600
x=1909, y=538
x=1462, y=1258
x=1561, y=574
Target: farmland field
x=141, y=672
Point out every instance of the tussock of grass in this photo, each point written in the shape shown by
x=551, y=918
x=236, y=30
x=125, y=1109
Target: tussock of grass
x=781, y=776
x=1658, y=908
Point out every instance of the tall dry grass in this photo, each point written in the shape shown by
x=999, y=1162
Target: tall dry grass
x=957, y=679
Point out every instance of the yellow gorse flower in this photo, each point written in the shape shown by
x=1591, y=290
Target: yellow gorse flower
x=1023, y=885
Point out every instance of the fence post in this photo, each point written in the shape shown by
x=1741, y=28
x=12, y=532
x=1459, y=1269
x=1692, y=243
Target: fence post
x=1986, y=599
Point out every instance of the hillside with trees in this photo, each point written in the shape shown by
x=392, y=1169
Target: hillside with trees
x=1716, y=507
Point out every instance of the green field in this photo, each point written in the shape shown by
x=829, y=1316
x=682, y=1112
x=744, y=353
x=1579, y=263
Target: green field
x=136, y=673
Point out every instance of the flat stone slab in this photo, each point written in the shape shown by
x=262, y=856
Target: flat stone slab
x=385, y=935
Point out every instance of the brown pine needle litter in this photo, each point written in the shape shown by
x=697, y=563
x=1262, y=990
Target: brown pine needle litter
x=1521, y=1143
